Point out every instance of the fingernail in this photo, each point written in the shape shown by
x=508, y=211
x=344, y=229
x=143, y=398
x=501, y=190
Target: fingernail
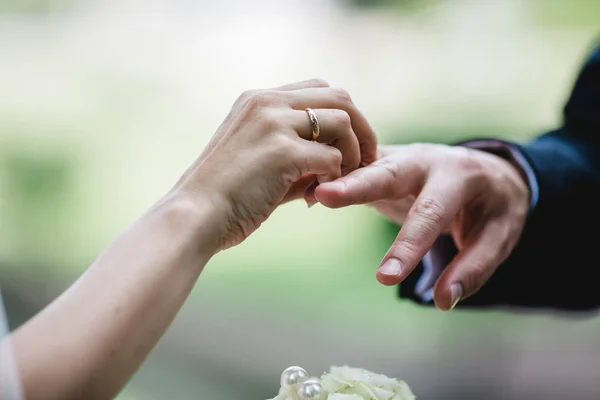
x=391, y=267
x=311, y=202
x=456, y=291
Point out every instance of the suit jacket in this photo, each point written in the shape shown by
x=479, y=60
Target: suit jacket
x=554, y=264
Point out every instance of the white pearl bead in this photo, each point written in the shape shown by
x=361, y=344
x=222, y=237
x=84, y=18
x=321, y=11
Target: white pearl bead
x=310, y=389
x=292, y=376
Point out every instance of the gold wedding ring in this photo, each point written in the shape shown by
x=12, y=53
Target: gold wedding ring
x=314, y=122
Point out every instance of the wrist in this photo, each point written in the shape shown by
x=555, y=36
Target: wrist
x=193, y=216
x=512, y=154
x=510, y=179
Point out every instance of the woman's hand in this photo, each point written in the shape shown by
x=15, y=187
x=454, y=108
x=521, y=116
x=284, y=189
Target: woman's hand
x=263, y=154
x=104, y=326
x=479, y=198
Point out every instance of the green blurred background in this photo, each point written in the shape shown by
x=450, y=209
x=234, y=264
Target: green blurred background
x=104, y=103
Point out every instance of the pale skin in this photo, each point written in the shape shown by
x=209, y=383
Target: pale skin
x=480, y=199
x=92, y=339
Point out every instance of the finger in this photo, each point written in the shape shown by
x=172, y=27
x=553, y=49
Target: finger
x=388, y=178
x=335, y=128
x=326, y=97
x=242, y=99
x=318, y=159
x=299, y=188
x=310, y=83
x=437, y=204
x=248, y=94
x=309, y=195
x=474, y=265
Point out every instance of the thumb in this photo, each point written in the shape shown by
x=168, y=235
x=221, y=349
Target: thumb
x=378, y=181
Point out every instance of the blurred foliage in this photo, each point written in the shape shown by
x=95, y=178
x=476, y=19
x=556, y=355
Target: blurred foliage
x=565, y=14
x=33, y=6
x=544, y=13
x=37, y=207
x=35, y=182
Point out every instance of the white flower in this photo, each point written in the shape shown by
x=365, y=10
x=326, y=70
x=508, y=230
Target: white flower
x=345, y=383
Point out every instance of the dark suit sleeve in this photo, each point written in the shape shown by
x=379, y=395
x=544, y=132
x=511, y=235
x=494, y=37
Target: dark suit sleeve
x=555, y=261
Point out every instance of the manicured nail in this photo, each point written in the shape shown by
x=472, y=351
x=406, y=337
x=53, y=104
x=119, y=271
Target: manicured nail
x=456, y=291
x=391, y=267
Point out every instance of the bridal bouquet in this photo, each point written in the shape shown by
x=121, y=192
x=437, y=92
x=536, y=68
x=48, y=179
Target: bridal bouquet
x=341, y=383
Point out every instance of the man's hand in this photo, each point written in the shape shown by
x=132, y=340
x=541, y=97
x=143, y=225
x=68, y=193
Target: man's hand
x=479, y=198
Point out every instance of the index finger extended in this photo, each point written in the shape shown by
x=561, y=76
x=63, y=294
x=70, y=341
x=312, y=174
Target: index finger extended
x=435, y=207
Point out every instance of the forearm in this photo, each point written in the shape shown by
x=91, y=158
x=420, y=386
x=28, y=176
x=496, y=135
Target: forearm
x=89, y=342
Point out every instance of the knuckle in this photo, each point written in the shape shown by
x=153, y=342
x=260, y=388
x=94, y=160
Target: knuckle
x=407, y=247
x=420, y=238
x=387, y=167
x=248, y=94
x=341, y=118
x=243, y=98
x=335, y=155
x=390, y=170
x=270, y=119
x=262, y=98
x=429, y=209
x=467, y=159
x=341, y=95
x=284, y=146
x=318, y=82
